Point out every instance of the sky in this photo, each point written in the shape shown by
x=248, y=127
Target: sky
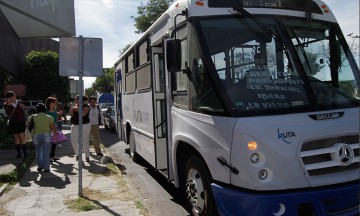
x=110, y=20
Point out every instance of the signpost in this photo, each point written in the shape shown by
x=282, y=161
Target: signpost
x=80, y=57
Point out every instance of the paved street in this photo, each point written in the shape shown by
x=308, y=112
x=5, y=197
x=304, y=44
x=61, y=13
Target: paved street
x=159, y=195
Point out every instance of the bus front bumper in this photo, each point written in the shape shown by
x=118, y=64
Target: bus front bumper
x=340, y=200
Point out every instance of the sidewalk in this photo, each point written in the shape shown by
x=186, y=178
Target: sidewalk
x=40, y=193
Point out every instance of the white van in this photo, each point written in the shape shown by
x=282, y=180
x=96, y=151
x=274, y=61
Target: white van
x=30, y=106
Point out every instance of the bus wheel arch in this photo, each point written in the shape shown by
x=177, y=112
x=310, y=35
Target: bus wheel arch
x=128, y=130
x=195, y=179
x=132, y=143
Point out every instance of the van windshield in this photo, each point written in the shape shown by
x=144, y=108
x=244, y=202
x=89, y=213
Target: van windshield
x=259, y=72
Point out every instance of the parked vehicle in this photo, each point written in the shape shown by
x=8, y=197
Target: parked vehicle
x=249, y=106
x=104, y=106
x=30, y=106
x=110, y=119
x=105, y=98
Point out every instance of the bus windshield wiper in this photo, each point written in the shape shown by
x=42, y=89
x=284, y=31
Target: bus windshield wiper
x=306, y=28
x=300, y=45
x=266, y=29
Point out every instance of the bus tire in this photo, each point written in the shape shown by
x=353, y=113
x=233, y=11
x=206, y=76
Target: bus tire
x=198, y=192
x=132, y=146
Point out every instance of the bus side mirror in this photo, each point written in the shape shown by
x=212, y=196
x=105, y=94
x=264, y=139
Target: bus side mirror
x=173, y=55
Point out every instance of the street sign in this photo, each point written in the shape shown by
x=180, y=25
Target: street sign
x=91, y=54
x=80, y=57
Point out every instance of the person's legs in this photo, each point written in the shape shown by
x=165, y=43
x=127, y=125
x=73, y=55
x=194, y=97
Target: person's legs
x=96, y=138
x=52, y=152
x=85, y=136
x=23, y=143
x=38, y=149
x=17, y=145
x=74, y=136
x=46, y=151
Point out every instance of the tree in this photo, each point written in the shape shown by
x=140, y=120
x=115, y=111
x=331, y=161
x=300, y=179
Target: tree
x=149, y=13
x=90, y=91
x=125, y=48
x=41, y=76
x=105, y=83
x=5, y=79
x=315, y=67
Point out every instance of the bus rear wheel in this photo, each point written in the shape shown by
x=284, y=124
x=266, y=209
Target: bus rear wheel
x=132, y=146
x=197, y=188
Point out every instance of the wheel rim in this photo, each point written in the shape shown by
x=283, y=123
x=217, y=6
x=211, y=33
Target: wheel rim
x=195, y=191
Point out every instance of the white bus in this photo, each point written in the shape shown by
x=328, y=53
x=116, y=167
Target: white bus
x=250, y=106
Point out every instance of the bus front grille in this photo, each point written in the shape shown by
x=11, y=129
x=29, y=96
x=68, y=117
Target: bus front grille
x=331, y=155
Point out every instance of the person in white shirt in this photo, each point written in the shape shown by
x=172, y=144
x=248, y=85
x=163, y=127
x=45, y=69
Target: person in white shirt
x=96, y=119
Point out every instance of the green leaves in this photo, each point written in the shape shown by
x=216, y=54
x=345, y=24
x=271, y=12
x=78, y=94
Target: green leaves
x=103, y=84
x=41, y=76
x=149, y=13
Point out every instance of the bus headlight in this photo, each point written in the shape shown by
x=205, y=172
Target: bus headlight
x=252, y=145
x=254, y=158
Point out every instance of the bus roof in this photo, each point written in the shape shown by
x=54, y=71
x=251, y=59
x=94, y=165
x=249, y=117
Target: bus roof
x=197, y=8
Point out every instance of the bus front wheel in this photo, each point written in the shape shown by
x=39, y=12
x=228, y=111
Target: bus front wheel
x=197, y=187
x=132, y=146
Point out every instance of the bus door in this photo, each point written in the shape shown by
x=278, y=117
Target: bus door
x=118, y=105
x=159, y=107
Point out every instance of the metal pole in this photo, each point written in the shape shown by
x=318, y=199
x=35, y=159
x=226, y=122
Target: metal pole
x=81, y=64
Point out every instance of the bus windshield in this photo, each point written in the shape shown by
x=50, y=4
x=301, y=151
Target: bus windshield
x=284, y=65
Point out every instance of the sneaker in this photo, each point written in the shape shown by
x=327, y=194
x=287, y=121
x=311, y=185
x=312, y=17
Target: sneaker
x=87, y=159
x=39, y=169
x=46, y=170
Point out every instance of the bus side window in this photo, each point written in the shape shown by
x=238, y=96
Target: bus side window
x=180, y=79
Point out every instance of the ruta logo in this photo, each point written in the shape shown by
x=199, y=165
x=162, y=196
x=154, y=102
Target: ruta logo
x=200, y=3
x=285, y=135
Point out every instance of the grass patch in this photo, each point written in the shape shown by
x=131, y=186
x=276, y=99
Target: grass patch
x=4, y=211
x=139, y=205
x=81, y=204
x=15, y=176
x=122, y=192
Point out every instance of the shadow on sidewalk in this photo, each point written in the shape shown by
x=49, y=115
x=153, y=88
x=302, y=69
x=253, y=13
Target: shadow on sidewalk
x=44, y=179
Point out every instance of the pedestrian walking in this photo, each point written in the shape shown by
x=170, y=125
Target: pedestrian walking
x=17, y=122
x=50, y=104
x=96, y=120
x=61, y=113
x=86, y=127
x=41, y=136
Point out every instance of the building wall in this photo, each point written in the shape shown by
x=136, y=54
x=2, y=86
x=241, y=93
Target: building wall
x=12, y=50
x=41, y=44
